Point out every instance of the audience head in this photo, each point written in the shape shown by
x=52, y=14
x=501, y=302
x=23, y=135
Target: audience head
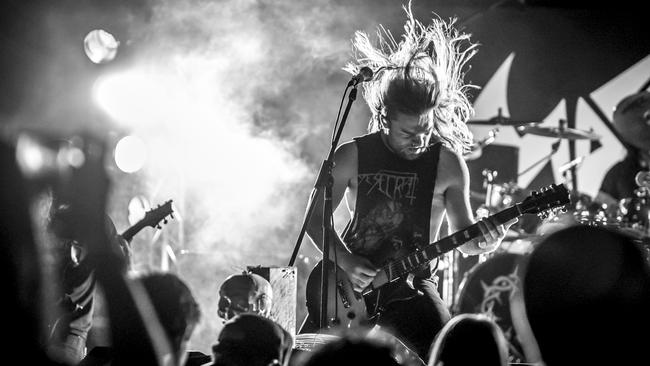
x=252, y=340
x=469, y=339
x=353, y=349
x=176, y=307
x=586, y=295
x=245, y=293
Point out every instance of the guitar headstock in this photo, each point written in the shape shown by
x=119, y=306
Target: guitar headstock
x=549, y=198
x=155, y=216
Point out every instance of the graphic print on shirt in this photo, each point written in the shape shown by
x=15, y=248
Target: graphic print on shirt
x=389, y=224
x=394, y=185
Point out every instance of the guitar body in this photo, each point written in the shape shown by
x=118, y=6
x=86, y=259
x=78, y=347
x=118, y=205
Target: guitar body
x=346, y=307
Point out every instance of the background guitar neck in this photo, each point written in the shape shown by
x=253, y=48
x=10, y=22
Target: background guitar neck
x=129, y=233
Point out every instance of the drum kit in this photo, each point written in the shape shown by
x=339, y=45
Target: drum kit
x=492, y=286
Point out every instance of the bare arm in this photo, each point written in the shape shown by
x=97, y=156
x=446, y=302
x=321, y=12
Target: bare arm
x=459, y=212
x=344, y=173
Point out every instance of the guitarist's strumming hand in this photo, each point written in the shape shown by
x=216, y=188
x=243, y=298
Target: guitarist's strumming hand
x=360, y=270
x=493, y=234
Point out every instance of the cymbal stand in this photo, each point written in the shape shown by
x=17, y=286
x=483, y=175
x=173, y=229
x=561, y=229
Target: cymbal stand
x=554, y=148
x=488, y=182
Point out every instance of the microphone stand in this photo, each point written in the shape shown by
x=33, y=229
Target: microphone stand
x=323, y=186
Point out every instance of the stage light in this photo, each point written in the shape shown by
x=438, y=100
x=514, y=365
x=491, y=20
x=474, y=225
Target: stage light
x=100, y=46
x=42, y=157
x=32, y=157
x=130, y=154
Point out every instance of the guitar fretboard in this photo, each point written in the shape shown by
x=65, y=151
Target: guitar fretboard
x=406, y=264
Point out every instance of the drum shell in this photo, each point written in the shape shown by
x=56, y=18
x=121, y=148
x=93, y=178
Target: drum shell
x=493, y=288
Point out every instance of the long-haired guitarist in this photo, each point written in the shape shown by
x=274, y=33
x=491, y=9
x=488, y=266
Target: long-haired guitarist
x=401, y=178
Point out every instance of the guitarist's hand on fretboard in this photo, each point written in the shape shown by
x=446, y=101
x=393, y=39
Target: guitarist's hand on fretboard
x=493, y=234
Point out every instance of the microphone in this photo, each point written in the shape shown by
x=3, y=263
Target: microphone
x=642, y=179
x=365, y=74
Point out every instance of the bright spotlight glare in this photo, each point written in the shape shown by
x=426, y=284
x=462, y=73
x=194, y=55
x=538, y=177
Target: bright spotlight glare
x=100, y=46
x=38, y=158
x=130, y=154
x=30, y=155
x=138, y=99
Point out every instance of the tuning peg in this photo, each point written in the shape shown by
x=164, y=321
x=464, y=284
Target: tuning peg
x=165, y=221
x=171, y=215
x=158, y=227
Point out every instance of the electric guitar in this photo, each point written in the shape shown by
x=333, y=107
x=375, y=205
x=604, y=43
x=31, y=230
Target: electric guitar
x=59, y=328
x=348, y=308
x=151, y=218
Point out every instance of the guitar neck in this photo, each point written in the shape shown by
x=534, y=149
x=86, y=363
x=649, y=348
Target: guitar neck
x=416, y=259
x=129, y=233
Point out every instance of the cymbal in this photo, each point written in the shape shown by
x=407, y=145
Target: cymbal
x=499, y=120
x=556, y=132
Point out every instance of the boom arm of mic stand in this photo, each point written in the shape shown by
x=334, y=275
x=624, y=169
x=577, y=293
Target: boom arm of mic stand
x=323, y=186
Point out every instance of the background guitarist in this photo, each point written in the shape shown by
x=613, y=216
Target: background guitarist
x=76, y=295
x=75, y=306
x=401, y=178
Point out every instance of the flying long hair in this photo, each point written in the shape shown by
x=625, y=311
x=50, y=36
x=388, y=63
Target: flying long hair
x=423, y=72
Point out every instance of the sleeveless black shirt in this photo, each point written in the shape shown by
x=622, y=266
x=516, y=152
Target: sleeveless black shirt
x=394, y=197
